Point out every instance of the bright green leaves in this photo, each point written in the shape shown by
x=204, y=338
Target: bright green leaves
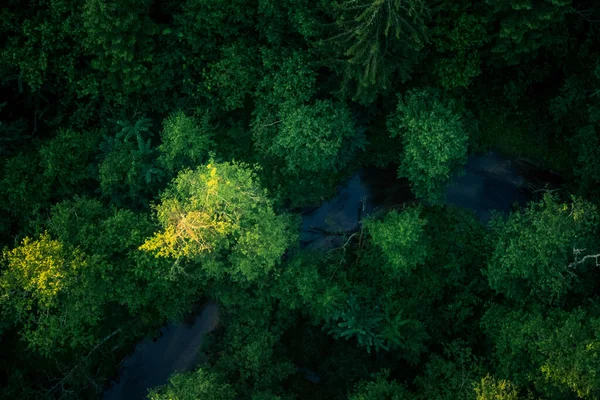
x=534, y=249
x=202, y=207
x=117, y=272
x=435, y=141
x=570, y=352
x=186, y=141
x=199, y=384
x=221, y=209
x=38, y=268
x=556, y=351
x=490, y=388
x=259, y=247
x=401, y=237
x=315, y=138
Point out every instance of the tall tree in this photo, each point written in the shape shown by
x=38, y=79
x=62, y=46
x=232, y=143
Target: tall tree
x=219, y=215
x=375, y=32
x=128, y=169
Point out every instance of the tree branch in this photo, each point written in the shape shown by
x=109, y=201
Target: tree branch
x=577, y=262
x=62, y=381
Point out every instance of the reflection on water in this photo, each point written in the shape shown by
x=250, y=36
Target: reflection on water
x=490, y=182
x=153, y=362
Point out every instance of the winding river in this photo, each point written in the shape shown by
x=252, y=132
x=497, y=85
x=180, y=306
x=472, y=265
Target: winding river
x=490, y=182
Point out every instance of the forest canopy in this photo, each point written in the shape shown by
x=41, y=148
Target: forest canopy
x=158, y=154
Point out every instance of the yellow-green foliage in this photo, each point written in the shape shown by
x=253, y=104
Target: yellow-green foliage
x=495, y=389
x=220, y=209
x=37, y=275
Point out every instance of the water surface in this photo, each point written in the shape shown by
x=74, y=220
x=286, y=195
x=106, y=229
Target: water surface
x=490, y=182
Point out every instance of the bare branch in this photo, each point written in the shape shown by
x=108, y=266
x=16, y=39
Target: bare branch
x=63, y=380
x=578, y=261
x=272, y=123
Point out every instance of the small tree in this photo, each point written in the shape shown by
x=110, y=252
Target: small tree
x=401, y=237
x=534, y=249
x=435, y=141
x=186, y=142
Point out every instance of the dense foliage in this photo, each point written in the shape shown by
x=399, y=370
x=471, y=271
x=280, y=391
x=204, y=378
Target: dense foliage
x=154, y=154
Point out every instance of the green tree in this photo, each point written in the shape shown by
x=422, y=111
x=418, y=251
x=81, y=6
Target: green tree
x=301, y=142
x=493, y=389
x=149, y=288
x=234, y=77
x=535, y=248
x=529, y=26
x=316, y=138
x=24, y=193
x=451, y=376
x=186, y=141
x=84, y=288
x=586, y=142
x=372, y=33
x=128, y=170
x=401, y=238
x=379, y=388
x=221, y=210
x=435, y=141
x=67, y=160
x=290, y=81
x=12, y=134
x=42, y=43
x=118, y=35
x=199, y=384
x=36, y=280
x=360, y=323
x=458, y=34
x=556, y=351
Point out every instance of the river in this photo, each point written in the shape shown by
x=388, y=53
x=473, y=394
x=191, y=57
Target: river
x=490, y=182
x=153, y=361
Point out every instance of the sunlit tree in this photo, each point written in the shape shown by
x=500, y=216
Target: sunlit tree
x=219, y=215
